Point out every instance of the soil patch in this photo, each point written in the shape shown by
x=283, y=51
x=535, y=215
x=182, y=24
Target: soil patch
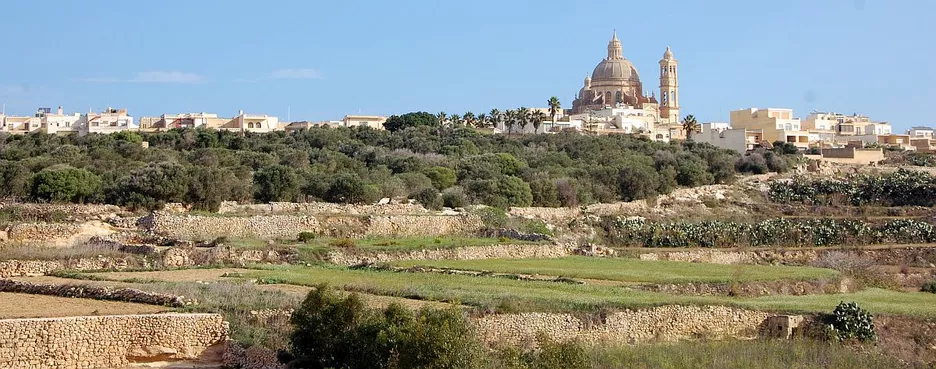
x=16, y=305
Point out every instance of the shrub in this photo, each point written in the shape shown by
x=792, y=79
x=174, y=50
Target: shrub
x=429, y=197
x=63, y=183
x=929, y=287
x=454, y=198
x=344, y=243
x=306, y=237
x=335, y=332
x=849, y=321
x=492, y=217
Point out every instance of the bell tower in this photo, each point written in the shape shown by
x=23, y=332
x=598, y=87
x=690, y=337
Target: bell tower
x=669, y=87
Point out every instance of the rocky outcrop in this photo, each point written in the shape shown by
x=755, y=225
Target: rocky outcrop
x=94, y=292
x=107, y=341
x=659, y=324
x=351, y=258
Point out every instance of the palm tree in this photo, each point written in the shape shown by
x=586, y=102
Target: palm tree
x=482, y=121
x=455, y=120
x=690, y=125
x=523, y=118
x=554, y=107
x=469, y=118
x=510, y=117
x=495, y=117
x=442, y=116
x=538, y=118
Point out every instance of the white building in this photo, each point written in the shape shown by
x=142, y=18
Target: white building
x=106, y=122
x=58, y=122
x=920, y=132
x=722, y=135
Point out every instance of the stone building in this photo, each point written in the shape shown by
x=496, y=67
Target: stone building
x=615, y=82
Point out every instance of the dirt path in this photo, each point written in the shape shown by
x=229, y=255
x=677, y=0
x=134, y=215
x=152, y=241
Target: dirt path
x=16, y=305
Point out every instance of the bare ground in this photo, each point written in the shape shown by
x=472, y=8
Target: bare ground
x=16, y=305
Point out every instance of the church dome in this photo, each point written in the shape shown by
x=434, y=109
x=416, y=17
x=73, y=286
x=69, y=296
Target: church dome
x=615, y=69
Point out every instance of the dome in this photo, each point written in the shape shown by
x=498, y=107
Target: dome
x=668, y=55
x=615, y=69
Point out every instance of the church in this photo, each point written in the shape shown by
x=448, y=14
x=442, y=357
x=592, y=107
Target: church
x=615, y=84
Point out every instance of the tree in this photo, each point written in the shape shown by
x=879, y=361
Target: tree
x=482, y=121
x=443, y=117
x=454, y=120
x=350, y=189
x=554, y=107
x=417, y=119
x=495, y=116
x=276, y=183
x=691, y=126
x=510, y=118
x=523, y=118
x=537, y=119
x=153, y=185
x=469, y=119
x=64, y=183
x=441, y=177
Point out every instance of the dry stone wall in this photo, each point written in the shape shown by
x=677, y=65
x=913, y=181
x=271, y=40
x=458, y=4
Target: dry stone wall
x=230, y=207
x=27, y=268
x=254, y=357
x=460, y=253
x=198, y=227
x=42, y=231
x=94, y=292
x=89, y=211
x=660, y=324
x=107, y=341
x=916, y=256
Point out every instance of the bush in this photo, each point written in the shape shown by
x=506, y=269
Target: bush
x=306, y=237
x=429, y=197
x=929, y=287
x=849, y=321
x=492, y=217
x=335, y=332
x=64, y=183
x=454, y=197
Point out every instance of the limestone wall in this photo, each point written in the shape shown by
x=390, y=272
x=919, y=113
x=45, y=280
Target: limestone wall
x=229, y=207
x=94, y=292
x=916, y=256
x=42, y=231
x=88, y=211
x=25, y=268
x=254, y=357
x=197, y=227
x=460, y=253
x=660, y=324
x=107, y=341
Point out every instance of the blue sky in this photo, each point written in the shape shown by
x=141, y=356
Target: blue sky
x=324, y=59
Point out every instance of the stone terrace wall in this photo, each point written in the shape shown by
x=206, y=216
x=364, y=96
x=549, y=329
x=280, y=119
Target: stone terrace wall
x=321, y=208
x=72, y=210
x=665, y=323
x=460, y=253
x=254, y=357
x=198, y=227
x=94, y=292
x=107, y=341
x=42, y=231
x=915, y=256
x=25, y=268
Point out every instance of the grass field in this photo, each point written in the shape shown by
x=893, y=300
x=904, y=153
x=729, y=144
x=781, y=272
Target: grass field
x=509, y=295
x=632, y=270
x=764, y=354
x=378, y=244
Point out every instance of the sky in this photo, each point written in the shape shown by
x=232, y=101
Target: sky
x=319, y=60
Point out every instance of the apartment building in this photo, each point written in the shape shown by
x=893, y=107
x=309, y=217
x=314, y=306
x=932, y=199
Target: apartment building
x=775, y=124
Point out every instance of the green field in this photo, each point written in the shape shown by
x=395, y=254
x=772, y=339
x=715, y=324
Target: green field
x=632, y=270
x=508, y=295
x=378, y=244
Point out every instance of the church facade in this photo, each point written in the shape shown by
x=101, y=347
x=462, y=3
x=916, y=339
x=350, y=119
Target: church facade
x=615, y=83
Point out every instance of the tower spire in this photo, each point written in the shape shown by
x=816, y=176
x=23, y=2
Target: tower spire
x=615, y=51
